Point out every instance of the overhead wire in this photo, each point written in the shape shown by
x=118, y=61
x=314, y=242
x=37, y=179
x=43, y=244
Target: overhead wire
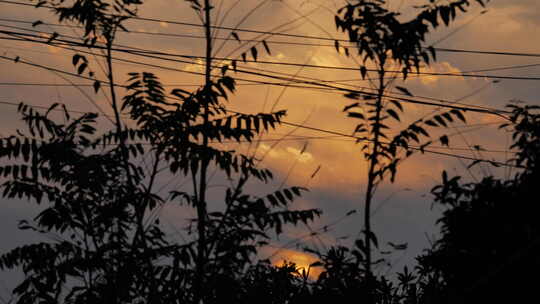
x=450, y=50
x=345, y=135
x=149, y=55
x=64, y=71
x=304, y=65
x=287, y=123
x=337, y=88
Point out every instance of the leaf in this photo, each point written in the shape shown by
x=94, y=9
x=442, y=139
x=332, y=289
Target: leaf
x=297, y=190
x=235, y=35
x=53, y=36
x=336, y=44
x=256, y=124
x=440, y=120
x=17, y=59
x=281, y=198
x=51, y=108
x=430, y=123
x=422, y=147
x=273, y=201
x=372, y=238
x=266, y=47
x=254, y=53
x=393, y=114
x=352, y=95
x=352, y=105
x=81, y=68
x=458, y=114
x=363, y=72
x=445, y=14
x=288, y=194
x=97, y=85
x=229, y=83
x=433, y=53
x=444, y=140
x=356, y=115
x=224, y=69
x=36, y=23
x=316, y=264
x=76, y=59
x=244, y=57
x=404, y=91
x=350, y=212
x=397, y=104
x=402, y=246
x=421, y=130
x=448, y=117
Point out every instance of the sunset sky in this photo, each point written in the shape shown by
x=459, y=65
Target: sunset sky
x=403, y=211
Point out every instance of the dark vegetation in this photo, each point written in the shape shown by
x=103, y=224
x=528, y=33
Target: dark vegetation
x=100, y=200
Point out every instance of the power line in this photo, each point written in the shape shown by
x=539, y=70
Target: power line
x=481, y=52
x=79, y=75
x=386, y=143
x=326, y=87
x=140, y=52
x=315, y=83
x=18, y=60
x=137, y=51
x=146, y=52
x=194, y=24
x=519, y=54
x=87, y=85
x=187, y=56
x=286, y=123
x=461, y=74
x=339, y=134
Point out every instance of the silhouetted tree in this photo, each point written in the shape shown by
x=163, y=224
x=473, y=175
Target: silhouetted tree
x=490, y=243
x=107, y=246
x=385, y=42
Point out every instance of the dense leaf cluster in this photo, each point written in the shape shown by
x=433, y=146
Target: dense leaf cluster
x=490, y=234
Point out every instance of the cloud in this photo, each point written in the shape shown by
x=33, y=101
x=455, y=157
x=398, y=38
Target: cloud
x=438, y=68
x=301, y=156
x=198, y=66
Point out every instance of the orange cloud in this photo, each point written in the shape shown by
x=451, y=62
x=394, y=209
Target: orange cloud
x=438, y=67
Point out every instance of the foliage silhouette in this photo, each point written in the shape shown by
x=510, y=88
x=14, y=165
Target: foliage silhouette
x=383, y=40
x=90, y=209
x=99, y=202
x=99, y=199
x=488, y=250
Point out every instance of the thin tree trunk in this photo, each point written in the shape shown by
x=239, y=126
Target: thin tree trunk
x=373, y=160
x=201, y=202
x=110, y=76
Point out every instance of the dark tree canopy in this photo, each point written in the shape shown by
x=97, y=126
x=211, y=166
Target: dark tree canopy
x=490, y=244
